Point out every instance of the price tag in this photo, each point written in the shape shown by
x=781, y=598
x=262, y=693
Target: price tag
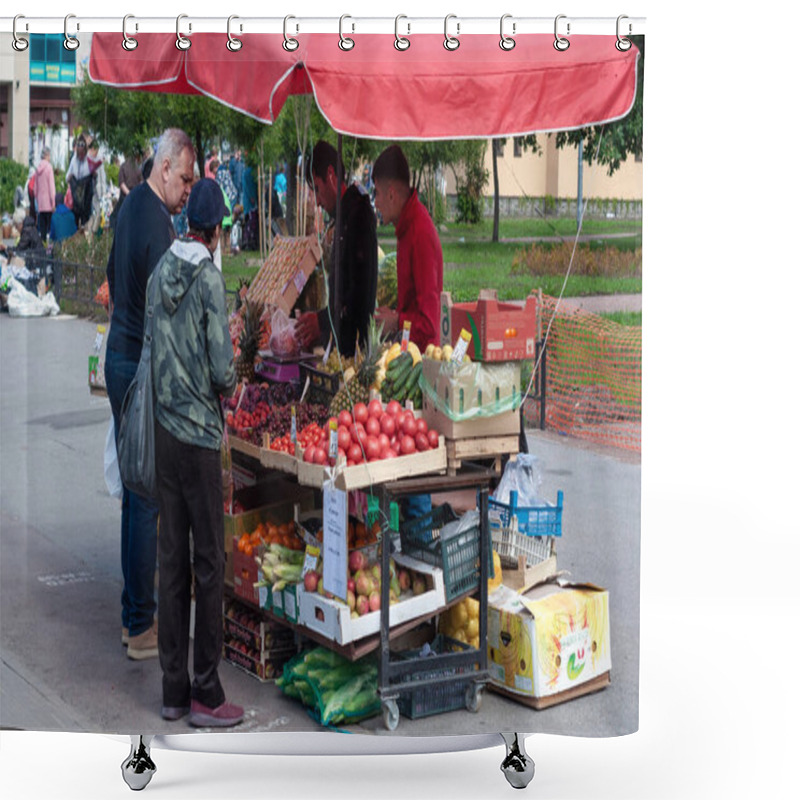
x=293, y=435
x=406, y=336
x=327, y=353
x=459, y=351
x=333, y=440
x=311, y=559
x=334, y=557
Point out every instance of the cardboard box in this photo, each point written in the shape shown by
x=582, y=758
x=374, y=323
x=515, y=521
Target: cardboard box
x=469, y=392
x=245, y=573
x=284, y=274
x=500, y=331
x=332, y=619
x=271, y=501
x=548, y=642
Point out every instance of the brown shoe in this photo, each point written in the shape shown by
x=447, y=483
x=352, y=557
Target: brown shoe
x=143, y=646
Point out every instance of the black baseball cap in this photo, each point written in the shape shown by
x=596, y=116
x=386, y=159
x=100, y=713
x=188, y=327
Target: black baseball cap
x=206, y=207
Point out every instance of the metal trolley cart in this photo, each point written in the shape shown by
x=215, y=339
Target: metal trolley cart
x=455, y=676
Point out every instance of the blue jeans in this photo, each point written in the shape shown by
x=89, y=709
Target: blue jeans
x=139, y=528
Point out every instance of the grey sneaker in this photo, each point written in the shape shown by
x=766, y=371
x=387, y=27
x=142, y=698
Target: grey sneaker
x=173, y=713
x=223, y=716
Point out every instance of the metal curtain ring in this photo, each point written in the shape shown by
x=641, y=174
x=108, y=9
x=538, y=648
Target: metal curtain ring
x=506, y=42
x=561, y=43
x=181, y=42
x=289, y=42
x=70, y=42
x=622, y=44
x=128, y=43
x=345, y=42
x=18, y=43
x=451, y=42
x=401, y=42
x=233, y=44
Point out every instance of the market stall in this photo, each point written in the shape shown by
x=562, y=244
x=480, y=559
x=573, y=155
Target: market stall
x=452, y=405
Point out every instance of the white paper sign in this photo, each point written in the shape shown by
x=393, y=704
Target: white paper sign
x=334, y=544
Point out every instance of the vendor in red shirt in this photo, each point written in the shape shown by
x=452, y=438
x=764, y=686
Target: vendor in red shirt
x=419, y=251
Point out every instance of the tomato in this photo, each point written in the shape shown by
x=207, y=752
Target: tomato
x=421, y=441
x=345, y=440
x=433, y=438
x=410, y=425
x=388, y=424
x=384, y=451
x=358, y=433
x=407, y=445
x=354, y=454
x=393, y=408
x=390, y=453
x=422, y=426
x=373, y=426
x=345, y=419
x=308, y=455
x=320, y=455
x=360, y=413
x=383, y=440
x=375, y=408
x=372, y=448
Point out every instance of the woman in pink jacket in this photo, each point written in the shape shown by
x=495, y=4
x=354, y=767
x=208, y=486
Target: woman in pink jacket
x=44, y=190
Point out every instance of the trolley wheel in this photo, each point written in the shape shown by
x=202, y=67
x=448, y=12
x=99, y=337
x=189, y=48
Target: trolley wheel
x=391, y=714
x=474, y=697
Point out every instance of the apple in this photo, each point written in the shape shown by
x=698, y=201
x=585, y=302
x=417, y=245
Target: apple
x=351, y=600
x=374, y=601
x=362, y=605
x=351, y=585
x=376, y=573
x=404, y=579
x=357, y=561
x=364, y=585
x=418, y=586
x=311, y=580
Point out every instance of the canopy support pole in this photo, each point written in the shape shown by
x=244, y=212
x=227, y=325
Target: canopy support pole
x=337, y=256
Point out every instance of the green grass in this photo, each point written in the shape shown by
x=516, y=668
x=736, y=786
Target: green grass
x=630, y=319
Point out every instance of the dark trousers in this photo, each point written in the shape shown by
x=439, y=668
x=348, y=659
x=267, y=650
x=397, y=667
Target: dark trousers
x=190, y=503
x=43, y=223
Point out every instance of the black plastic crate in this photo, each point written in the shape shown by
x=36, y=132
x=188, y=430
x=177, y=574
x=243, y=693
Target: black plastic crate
x=322, y=386
x=449, y=695
x=457, y=556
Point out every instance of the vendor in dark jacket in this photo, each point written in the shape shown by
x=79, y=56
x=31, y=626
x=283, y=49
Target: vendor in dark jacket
x=29, y=241
x=358, y=259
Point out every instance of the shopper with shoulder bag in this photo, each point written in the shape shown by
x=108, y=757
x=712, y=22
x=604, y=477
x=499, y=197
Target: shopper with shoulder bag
x=192, y=366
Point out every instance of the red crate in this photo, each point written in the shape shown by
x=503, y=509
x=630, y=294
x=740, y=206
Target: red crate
x=500, y=331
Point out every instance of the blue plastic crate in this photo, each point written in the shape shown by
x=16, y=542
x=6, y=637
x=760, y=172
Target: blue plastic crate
x=531, y=520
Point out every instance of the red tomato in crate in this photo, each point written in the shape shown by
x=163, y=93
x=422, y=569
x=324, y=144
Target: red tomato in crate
x=383, y=440
x=433, y=438
x=407, y=445
x=372, y=448
x=345, y=440
x=410, y=425
x=375, y=408
x=373, y=426
x=360, y=413
x=320, y=455
x=421, y=441
x=388, y=424
x=393, y=408
x=422, y=426
x=345, y=419
x=354, y=454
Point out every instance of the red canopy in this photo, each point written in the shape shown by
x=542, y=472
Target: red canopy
x=375, y=91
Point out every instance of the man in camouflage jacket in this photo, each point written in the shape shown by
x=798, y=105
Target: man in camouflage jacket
x=192, y=360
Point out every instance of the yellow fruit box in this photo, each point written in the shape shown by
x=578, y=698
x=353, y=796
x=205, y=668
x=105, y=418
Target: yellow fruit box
x=550, y=643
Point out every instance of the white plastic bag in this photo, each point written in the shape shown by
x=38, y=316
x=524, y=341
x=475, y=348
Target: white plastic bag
x=282, y=342
x=22, y=303
x=110, y=465
x=523, y=477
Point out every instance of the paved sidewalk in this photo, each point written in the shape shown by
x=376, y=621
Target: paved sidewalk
x=62, y=666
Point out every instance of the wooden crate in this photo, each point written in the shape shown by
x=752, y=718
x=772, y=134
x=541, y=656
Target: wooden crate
x=482, y=448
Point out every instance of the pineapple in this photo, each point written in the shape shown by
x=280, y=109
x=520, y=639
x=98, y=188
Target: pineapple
x=368, y=371
x=248, y=340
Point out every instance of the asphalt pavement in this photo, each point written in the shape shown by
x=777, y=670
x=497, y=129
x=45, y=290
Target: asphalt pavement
x=62, y=666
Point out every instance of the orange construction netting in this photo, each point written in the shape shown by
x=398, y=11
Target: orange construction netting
x=593, y=377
